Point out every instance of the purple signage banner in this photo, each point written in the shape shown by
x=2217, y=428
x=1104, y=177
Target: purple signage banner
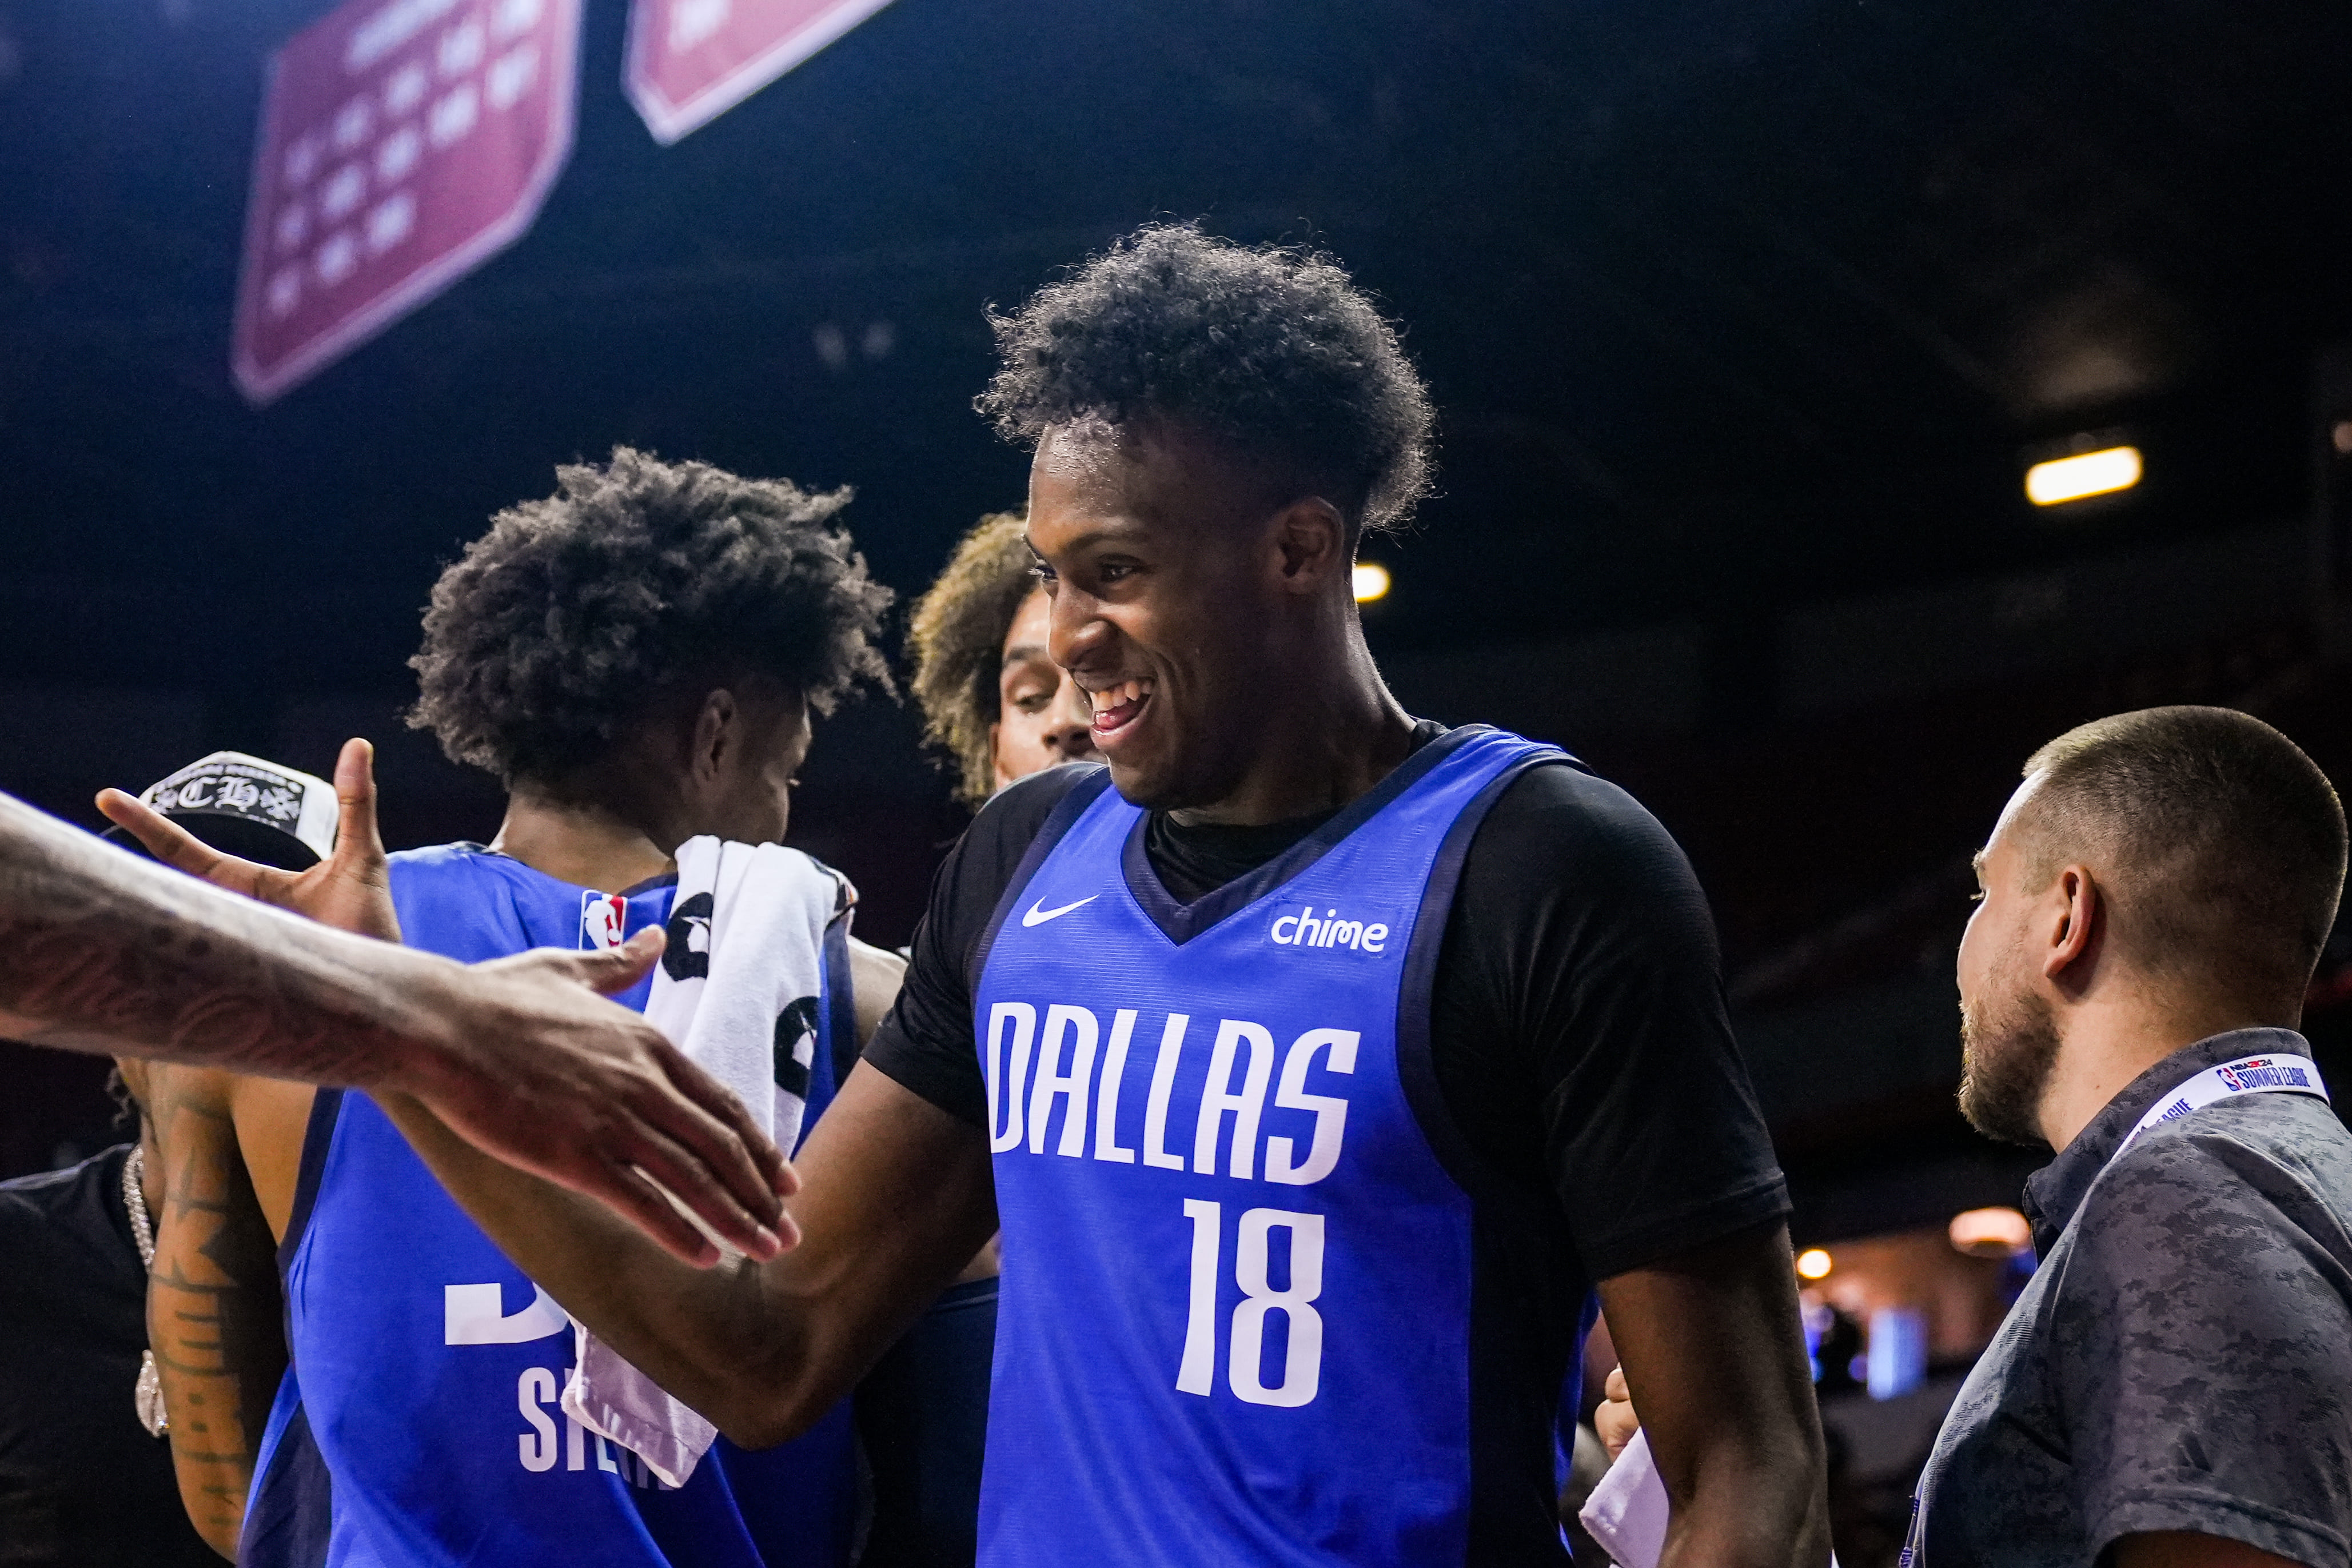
x=690, y=61
x=403, y=143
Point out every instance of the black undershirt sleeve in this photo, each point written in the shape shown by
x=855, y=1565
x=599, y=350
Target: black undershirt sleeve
x=925, y=1041
x=1579, y=1028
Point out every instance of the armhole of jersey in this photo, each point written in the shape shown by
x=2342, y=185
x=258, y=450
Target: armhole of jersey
x=1058, y=821
x=1416, y=1063
x=289, y=1513
x=318, y=1137
x=840, y=1043
x=1501, y=1211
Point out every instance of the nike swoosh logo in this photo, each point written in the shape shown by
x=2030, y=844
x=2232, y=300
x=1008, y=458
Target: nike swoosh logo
x=1037, y=915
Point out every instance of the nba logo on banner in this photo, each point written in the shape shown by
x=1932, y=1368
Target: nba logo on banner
x=690, y=61
x=602, y=919
x=403, y=143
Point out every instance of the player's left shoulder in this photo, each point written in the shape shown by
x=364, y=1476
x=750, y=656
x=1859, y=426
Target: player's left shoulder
x=1561, y=816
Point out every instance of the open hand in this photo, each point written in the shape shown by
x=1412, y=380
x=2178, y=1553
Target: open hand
x=349, y=890
x=532, y=1066
x=552, y=1080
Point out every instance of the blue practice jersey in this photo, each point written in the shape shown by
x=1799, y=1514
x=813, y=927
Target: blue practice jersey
x=1236, y=1309
x=420, y=1424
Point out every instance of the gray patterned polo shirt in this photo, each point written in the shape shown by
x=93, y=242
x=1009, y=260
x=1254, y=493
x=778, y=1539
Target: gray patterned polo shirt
x=2182, y=1359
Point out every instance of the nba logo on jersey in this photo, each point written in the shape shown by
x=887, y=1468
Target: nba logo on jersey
x=603, y=918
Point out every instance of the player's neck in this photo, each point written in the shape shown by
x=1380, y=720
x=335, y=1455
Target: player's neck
x=1321, y=743
x=585, y=842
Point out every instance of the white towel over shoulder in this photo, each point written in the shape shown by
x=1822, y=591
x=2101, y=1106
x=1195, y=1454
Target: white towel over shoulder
x=738, y=991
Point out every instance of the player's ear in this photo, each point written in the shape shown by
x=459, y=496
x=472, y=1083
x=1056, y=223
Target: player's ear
x=718, y=731
x=1313, y=540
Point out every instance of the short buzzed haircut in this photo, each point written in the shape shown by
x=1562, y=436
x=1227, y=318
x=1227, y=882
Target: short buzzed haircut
x=2219, y=845
x=1273, y=348
x=959, y=635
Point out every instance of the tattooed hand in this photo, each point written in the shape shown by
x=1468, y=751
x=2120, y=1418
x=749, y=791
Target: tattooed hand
x=523, y=1105
x=102, y=952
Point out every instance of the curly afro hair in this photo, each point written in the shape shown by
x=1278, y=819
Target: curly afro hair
x=1275, y=349
x=555, y=627
x=959, y=635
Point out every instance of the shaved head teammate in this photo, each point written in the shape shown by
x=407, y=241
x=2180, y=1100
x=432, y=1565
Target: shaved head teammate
x=1320, y=1063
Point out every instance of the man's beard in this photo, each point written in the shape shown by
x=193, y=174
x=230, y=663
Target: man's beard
x=2008, y=1048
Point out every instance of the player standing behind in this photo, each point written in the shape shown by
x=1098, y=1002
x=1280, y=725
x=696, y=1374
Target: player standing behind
x=1319, y=1062
x=636, y=657
x=991, y=696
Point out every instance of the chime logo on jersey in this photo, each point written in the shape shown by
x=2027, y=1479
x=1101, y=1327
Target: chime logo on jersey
x=1300, y=928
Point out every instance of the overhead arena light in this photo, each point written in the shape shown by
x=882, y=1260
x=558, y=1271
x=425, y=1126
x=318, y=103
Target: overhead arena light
x=1813, y=1263
x=2082, y=475
x=1371, y=581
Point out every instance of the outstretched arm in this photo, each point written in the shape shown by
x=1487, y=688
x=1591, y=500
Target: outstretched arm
x=102, y=953
x=1714, y=1354
x=895, y=1196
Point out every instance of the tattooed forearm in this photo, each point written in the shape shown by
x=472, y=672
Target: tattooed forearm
x=214, y=1308
x=107, y=953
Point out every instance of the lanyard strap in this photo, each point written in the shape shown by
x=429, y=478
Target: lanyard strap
x=2247, y=1075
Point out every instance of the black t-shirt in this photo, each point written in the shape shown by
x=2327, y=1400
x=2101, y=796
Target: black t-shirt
x=81, y=1483
x=1577, y=1023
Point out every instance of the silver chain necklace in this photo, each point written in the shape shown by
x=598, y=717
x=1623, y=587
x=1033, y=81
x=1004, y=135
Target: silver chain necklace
x=149, y=1391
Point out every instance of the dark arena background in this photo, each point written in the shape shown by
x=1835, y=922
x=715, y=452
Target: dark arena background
x=1745, y=322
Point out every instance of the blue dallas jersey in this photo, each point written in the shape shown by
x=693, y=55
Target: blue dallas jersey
x=420, y=1424
x=1236, y=1319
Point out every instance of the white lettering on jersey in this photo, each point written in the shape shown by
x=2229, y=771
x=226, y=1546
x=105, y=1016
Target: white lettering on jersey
x=1197, y=1372
x=1303, y=930
x=1302, y=1367
x=471, y=1315
x=1163, y=1082
x=1330, y=1112
x=534, y=1388
x=1028, y=1070
x=1106, y=1146
x=1302, y=1361
x=1006, y=1080
x=1217, y=1097
x=1070, y=1087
